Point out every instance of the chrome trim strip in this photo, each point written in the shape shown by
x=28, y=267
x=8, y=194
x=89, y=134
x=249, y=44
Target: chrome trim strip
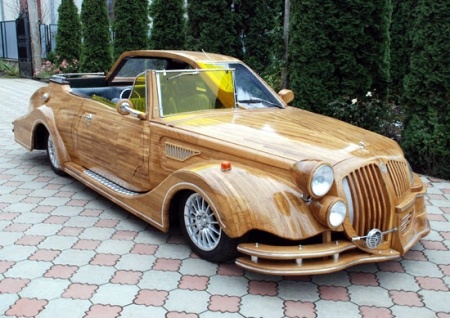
x=108, y=183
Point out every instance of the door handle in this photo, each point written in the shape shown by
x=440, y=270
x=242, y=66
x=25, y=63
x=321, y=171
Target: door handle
x=88, y=118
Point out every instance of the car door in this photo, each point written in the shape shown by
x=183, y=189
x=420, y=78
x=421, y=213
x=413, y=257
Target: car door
x=96, y=135
x=113, y=145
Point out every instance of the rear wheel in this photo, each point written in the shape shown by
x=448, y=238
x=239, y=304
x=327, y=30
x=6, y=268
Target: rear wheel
x=52, y=157
x=202, y=230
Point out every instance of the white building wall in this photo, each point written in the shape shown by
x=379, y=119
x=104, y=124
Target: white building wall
x=49, y=10
x=10, y=9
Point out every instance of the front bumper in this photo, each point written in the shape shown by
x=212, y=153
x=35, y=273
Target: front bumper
x=314, y=258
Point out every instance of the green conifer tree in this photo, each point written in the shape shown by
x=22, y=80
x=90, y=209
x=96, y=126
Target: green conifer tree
x=426, y=138
x=403, y=17
x=338, y=49
x=168, y=35
x=96, y=53
x=311, y=61
x=213, y=27
x=68, y=35
x=261, y=24
x=131, y=25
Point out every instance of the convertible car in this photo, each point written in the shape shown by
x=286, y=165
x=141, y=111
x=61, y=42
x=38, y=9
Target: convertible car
x=201, y=139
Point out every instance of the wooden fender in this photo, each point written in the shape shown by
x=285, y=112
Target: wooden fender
x=42, y=115
x=246, y=199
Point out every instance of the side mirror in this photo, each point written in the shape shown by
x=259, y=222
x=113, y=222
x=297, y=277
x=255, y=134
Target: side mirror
x=125, y=107
x=286, y=95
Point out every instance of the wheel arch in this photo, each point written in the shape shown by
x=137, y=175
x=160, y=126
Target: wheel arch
x=244, y=199
x=173, y=200
x=44, y=125
x=40, y=136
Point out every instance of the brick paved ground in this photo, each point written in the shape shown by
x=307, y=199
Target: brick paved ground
x=67, y=252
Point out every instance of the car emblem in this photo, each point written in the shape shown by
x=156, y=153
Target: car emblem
x=374, y=238
x=362, y=145
x=383, y=168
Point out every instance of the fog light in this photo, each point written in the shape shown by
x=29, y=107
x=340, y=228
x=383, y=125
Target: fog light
x=373, y=239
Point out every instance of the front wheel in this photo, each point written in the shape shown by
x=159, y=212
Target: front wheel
x=200, y=227
x=52, y=157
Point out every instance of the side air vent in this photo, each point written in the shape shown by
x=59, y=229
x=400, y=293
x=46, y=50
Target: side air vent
x=179, y=153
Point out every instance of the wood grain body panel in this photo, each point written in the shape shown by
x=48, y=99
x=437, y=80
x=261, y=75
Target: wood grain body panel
x=155, y=158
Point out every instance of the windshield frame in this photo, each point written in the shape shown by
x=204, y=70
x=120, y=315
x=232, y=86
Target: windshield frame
x=272, y=99
x=212, y=85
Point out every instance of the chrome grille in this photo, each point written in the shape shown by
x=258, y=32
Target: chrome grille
x=371, y=207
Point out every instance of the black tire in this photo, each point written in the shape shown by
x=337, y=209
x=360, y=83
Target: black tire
x=202, y=231
x=52, y=157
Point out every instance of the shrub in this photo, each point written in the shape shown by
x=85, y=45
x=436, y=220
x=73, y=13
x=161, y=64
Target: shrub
x=9, y=69
x=369, y=112
x=49, y=68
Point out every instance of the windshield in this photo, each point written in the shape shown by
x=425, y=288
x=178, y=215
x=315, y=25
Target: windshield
x=135, y=66
x=193, y=90
x=250, y=91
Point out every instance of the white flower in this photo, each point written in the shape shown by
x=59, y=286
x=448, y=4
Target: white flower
x=354, y=100
x=369, y=94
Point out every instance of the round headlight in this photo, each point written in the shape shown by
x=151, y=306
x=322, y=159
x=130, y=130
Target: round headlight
x=330, y=211
x=322, y=180
x=337, y=214
x=314, y=178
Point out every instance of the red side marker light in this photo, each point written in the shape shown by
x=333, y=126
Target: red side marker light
x=225, y=166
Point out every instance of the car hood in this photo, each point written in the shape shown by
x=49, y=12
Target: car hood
x=290, y=133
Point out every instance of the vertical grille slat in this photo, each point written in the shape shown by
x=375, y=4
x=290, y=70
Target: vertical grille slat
x=398, y=172
x=370, y=199
x=381, y=199
x=357, y=196
x=373, y=199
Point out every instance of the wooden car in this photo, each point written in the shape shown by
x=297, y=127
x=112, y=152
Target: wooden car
x=200, y=139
